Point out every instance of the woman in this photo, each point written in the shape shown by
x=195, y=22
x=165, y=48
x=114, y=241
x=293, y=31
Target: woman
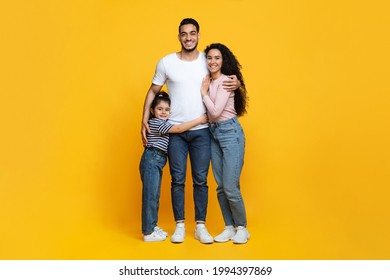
x=228, y=140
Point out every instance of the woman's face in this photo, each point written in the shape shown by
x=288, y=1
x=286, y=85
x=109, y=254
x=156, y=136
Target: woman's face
x=214, y=61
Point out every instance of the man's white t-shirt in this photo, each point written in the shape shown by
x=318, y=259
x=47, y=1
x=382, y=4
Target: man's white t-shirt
x=184, y=80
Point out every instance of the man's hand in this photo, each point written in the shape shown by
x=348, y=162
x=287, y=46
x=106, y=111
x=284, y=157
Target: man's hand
x=231, y=84
x=144, y=130
x=146, y=113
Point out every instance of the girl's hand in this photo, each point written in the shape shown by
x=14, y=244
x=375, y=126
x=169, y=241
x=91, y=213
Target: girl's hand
x=205, y=85
x=203, y=119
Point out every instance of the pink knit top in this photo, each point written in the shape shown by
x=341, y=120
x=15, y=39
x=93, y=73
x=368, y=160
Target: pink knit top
x=219, y=103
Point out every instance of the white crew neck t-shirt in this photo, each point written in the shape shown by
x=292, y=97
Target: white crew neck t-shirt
x=184, y=80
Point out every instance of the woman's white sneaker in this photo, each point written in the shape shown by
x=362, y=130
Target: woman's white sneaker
x=227, y=234
x=242, y=235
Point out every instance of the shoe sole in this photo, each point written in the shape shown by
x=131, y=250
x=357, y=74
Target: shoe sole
x=223, y=240
x=173, y=240
x=177, y=241
x=240, y=242
x=154, y=240
x=235, y=242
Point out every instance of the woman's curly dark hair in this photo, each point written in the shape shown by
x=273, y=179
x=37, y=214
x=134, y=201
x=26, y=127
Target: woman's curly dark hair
x=231, y=66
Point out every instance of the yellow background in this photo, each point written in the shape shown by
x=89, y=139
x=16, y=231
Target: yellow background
x=73, y=79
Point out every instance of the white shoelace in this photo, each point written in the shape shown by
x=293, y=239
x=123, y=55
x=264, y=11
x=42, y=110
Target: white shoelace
x=159, y=230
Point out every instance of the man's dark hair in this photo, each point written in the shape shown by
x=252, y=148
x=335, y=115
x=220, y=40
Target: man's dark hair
x=189, y=21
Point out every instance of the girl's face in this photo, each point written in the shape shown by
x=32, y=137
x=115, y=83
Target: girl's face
x=161, y=111
x=214, y=61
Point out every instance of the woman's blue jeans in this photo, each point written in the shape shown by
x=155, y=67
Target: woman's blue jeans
x=151, y=170
x=227, y=160
x=196, y=143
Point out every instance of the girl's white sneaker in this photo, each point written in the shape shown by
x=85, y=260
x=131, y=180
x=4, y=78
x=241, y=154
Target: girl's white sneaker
x=156, y=235
x=156, y=228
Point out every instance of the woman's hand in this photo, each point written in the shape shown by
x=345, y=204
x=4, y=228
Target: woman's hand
x=205, y=86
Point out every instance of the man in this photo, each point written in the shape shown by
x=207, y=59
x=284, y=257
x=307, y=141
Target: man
x=183, y=73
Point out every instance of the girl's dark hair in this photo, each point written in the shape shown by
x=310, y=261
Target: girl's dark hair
x=159, y=97
x=231, y=66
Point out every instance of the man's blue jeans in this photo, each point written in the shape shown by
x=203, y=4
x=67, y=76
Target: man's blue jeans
x=151, y=170
x=196, y=143
x=227, y=159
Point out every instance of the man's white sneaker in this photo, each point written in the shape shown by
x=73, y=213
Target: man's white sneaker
x=242, y=235
x=154, y=236
x=203, y=235
x=179, y=234
x=227, y=234
x=156, y=228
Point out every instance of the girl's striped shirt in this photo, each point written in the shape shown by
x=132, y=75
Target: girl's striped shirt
x=158, y=136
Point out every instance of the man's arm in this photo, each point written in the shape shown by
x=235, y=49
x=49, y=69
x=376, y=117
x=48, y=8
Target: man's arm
x=153, y=90
x=231, y=84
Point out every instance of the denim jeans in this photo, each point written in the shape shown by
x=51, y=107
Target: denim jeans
x=151, y=169
x=196, y=143
x=227, y=160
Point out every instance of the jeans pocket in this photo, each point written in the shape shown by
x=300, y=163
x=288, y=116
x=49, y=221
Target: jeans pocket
x=226, y=129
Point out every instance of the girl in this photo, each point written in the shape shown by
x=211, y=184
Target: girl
x=154, y=159
x=228, y=140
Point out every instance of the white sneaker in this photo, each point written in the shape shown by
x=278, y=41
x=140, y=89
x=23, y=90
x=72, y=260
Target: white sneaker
x=242, y=235
x=154, y=236
x=227, y=234
x=156, y=228
x=179, y=234
x=202, y=234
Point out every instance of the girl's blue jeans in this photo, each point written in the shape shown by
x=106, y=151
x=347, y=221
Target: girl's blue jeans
x=151, y=170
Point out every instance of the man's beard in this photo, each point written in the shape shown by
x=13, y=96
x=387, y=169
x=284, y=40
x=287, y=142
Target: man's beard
x=189, y=50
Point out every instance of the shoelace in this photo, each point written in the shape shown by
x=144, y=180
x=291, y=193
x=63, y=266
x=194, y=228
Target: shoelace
x=159, y=230
x=203, y=231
